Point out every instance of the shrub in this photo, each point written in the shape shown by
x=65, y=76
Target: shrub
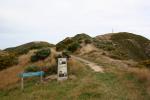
x=105, y=45
x=141, y=74
x=87, y=41
x=40, y=55
x=73, y=47
x=7, y=61
x=68, y=42
x=52, y=69
x=32, y=69
x=145, y=63
x=63, y=44
x=66, y=54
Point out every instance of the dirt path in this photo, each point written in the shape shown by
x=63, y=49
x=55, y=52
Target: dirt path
x=92, y=65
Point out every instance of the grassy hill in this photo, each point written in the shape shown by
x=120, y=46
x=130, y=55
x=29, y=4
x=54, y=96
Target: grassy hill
x=123, y=56
x=25, y=48
x=9, y=56
x=124, y=45
x=121, y=45
x=114, y=84
x=134, y=45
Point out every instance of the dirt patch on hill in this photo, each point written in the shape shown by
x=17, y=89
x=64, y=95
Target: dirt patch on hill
x=92, y=65
x=106, y=61
x=87, y=48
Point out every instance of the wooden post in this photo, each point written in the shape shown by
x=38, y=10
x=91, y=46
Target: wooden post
x=22, y=84
x=41, y=78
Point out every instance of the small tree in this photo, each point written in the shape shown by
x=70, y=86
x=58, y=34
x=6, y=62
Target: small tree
x=73, y=47
x=40, y=55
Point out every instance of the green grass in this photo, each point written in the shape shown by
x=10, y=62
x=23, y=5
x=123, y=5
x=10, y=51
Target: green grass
x=89, y=85
x=133, y=45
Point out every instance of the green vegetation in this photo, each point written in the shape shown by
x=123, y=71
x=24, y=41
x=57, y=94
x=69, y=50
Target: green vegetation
x=63, y=44
x=7, y=60
x=32, y=69
x=124, y=35
x=51, y=69
x=25, y=48
x=145, y=63
x=124, y=45
x=73, y=47
x=9, y=56
x=87, y=41
x=41, y=54
x=81, y=37
x=131, y=44
x=105, y=45
x=71, y=44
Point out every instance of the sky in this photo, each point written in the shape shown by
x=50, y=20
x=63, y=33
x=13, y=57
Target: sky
x=23, y=21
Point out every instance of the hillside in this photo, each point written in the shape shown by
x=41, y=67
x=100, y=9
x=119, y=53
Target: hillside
x=112, y=66
x=124, y=45
x=121, y=45
x=25, y=48
x=10, y=56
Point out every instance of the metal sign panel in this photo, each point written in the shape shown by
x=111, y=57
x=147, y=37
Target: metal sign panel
x=62, y=69
x=31, y=74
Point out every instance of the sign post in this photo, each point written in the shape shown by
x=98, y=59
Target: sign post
x=30, y=74
x=22, y=85
x=62, y=69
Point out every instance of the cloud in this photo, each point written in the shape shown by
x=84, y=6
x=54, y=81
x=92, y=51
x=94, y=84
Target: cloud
x=69, y=17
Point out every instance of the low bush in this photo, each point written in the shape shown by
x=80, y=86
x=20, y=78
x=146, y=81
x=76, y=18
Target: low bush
x=66, y=54
x=41, y=54
x=105, y=45
x=63, y=44
x=145, y=63
x=52, y=69
x=32, y=69
x=73, y=47
x=7, y=61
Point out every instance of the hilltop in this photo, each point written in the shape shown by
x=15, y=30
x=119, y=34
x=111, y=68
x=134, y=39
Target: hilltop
x=25, y=48
x=124, y=45
x=120, y=45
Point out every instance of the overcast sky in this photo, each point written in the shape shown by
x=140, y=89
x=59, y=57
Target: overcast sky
x=23, y=21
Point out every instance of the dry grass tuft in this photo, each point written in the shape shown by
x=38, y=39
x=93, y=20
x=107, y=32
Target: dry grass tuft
x=9, y=76
x=74, y=66
x=142, y=73
x=143, y=76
